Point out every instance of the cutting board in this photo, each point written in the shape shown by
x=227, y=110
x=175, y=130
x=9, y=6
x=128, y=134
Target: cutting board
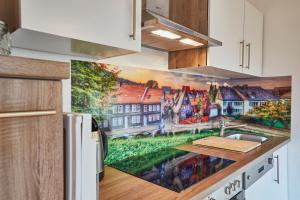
x=226, y=143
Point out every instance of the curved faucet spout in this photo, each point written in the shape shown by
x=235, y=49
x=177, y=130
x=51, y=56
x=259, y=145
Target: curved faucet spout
x=224, y=125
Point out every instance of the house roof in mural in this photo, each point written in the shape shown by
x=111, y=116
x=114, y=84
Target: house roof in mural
x=255, y=93
x=152, y=95
x=287, y=95
x=229, y=94
x=137, y=94
x=129, y=94
x=283, y=92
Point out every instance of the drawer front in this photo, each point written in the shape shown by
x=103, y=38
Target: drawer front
x=31, y=158
x=18, y=95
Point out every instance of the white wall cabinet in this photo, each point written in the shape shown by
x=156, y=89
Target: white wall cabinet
x=253, y=35
x=226, y=23
x=106, y=22
x=239, y=26
x=273, y=185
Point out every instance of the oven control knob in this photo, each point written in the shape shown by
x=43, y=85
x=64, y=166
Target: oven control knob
x=211, y=198
x=248, y=177
x=237, y=183
x=227, y=190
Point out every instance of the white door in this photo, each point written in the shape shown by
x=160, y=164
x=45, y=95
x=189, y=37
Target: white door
x=226, y=24
x=145, y=120
x=273, y=185
x=126, y=122
x=253, y=40
x=107, y=22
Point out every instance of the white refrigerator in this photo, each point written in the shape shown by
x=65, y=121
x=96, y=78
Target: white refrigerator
x=80, y=156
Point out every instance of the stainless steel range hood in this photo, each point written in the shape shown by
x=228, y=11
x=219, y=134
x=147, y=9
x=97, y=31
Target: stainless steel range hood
x=153, y=22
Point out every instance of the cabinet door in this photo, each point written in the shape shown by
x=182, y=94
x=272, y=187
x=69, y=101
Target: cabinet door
x=107, y=22
x=31, y=158
x=280, y=174
x=226, y=24
x=31, y=148
x=253, y=40
x=267, y=187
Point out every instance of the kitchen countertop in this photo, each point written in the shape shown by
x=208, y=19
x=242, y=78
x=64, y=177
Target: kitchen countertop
x=118, y=185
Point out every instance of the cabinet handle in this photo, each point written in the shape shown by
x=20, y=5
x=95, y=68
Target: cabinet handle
x=249, y=55
x=27, y=114
x=133, y=35
x=242, y=51
x=277, y=170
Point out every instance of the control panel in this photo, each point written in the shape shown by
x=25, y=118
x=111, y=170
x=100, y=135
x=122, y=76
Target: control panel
x=233, y=187
x=228, y=191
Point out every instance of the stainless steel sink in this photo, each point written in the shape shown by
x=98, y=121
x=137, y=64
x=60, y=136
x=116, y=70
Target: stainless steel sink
x=253, y=138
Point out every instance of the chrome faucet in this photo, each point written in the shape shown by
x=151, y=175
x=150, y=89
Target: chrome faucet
x=224, y=125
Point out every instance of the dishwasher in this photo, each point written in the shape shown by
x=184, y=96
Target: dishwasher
x=257, y=171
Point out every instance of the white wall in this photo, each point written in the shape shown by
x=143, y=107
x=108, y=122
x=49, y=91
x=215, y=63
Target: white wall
x=282, y=57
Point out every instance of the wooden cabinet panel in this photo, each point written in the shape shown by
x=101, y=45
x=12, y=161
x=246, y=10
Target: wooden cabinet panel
x=10, y=14
x=194, y=15
x=29, y=95
x=31, y=164
x=190, y=13
x=31, y=147
x=18, y=67
x=188, y=58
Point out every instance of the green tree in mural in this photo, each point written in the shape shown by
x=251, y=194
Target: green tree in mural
x=199, y=104
x=152, y=84
x=92, y=85
x=213, y=91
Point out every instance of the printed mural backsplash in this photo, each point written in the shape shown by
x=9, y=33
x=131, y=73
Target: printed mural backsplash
x=145, y=111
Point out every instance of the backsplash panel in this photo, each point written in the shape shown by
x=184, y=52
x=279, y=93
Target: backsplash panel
x=143, y=111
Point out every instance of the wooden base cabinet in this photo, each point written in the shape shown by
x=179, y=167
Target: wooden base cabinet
x=273, y=185
x=31, y=130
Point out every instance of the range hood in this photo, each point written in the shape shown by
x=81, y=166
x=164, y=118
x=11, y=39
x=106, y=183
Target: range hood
x=161, y=33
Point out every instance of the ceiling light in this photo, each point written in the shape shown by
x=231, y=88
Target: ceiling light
x=191, y=42
x=166, y=34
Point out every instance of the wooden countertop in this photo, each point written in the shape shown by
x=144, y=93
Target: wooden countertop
x=117, y=185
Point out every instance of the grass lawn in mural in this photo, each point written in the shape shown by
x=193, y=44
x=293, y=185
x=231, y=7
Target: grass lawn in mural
x=120, y=149
x=125, y=148
x=144, y=111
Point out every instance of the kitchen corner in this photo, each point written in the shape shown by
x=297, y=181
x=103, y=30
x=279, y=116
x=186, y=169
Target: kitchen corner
x=149, y=99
